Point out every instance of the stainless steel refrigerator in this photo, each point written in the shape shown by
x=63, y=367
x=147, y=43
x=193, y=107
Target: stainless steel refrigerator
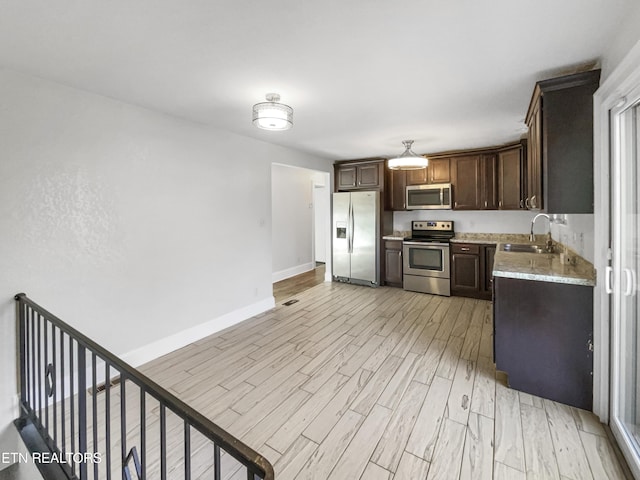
x=356, y=233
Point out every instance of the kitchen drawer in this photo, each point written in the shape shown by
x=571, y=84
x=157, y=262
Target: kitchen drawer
x=469, y=248
x=393, y=244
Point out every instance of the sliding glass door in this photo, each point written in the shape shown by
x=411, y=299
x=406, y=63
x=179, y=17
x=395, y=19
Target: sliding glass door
x=625, y=305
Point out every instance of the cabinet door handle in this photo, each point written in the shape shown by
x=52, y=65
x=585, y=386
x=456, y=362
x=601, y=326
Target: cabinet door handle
x=533, y=202
x=485, y=204
x=526, y=203
x=500, y=203
x=521, y=203
x=465, y=249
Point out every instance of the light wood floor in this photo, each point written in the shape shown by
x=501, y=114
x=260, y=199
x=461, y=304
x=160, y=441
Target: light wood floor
x=289, y=287
x=378, y=383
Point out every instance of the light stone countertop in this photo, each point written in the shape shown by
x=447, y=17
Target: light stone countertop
x=396, y=235
x=495, y=238
x=543, y=267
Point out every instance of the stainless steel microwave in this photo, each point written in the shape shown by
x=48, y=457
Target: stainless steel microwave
x=429, y=197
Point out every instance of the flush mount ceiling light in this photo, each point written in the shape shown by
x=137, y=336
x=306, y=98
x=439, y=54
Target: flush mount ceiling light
x=408, y=160
x=271, y=115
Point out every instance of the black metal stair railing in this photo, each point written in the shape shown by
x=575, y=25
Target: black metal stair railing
x=86, y=414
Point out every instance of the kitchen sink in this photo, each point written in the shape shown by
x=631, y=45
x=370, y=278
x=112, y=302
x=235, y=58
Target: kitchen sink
x=522, y=247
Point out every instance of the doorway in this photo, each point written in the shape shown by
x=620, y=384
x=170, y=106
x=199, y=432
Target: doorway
x=300, y=212
x=617, y=260
x=622, y=276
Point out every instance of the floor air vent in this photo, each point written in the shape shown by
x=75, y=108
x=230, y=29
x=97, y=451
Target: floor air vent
x=291, y=302
x=103, y=386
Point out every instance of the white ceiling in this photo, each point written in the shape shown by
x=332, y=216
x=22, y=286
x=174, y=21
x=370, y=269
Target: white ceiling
x=361, y=75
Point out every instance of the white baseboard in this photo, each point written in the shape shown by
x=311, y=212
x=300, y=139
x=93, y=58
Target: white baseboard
x=181, y=339
x=156, y=349
x=292, y=272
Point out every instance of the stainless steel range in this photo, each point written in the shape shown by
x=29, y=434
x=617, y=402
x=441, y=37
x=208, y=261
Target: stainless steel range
x=426, y=265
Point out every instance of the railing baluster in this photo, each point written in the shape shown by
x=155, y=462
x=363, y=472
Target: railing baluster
x=43, y=377
x=163, y=442
x=82, y=407
x=62, y=396
x=94, y=404
x=187, y=451
x=123, y=420
x=39, y=366
x=107, y=415
x=72, y=395
x=54, y=382
x=33, y=359
x=25, y=389
x=44, y=365
x=143, y=438
x=216, y=462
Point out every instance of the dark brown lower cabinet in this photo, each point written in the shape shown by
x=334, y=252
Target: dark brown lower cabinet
x=471, y=270
x=543, y=334
x=393, y=263
x=486, y=266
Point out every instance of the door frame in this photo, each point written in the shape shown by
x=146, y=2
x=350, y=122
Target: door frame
x=609, y=97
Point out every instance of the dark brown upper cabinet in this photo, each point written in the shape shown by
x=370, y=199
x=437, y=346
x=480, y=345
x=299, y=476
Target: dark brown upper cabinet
x=439, y=170
x=474, y=180
x=560, y=144
x=534, y=199
x=366, y=175
x=467, y=182
x=396, y=187
x=489, y=189
x=482, y=179
x=417, y=177
x=511, y=179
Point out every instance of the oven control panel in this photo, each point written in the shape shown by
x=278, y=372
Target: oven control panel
x=431, y=225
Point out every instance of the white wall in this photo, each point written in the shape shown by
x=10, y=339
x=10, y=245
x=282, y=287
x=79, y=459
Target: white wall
x=139, y=229
x=489, y=221
x=322, y=220
x=627, y=35
x=292, y=216
x=577, y=234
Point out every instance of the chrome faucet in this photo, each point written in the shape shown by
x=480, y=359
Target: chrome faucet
x=532, y=238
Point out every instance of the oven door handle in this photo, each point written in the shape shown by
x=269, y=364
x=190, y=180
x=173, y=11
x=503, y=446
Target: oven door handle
x=429, y=245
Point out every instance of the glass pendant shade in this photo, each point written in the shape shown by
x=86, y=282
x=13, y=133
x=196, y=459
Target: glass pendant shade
x=271, y=115
x=408, y=160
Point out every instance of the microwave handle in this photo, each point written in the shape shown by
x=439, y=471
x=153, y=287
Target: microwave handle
x=441, y=196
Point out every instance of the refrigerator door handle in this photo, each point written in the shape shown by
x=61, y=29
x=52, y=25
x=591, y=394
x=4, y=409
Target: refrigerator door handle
x=351, y=227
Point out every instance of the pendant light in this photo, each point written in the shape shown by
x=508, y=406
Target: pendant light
x=271, y=115
x=408, y=160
